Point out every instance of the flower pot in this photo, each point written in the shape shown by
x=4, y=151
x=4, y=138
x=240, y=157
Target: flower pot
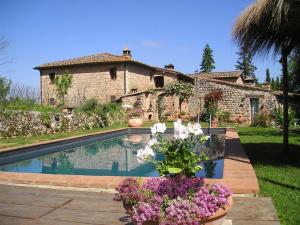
x=135, y=122
x=214, y=124
x=216, y=219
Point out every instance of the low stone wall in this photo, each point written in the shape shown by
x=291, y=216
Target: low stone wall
x=29, y=123
x=235, y=98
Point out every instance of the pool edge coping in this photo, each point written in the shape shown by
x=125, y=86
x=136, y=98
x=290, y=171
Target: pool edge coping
x=235, y=161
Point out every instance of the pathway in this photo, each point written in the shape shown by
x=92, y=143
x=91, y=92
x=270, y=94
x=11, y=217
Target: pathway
x=30, y=205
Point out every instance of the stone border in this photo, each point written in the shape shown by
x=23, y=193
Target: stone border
x=238, y=173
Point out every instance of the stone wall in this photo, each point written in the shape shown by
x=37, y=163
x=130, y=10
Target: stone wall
x=19, y=123
x=94, y=81
x=235, y=100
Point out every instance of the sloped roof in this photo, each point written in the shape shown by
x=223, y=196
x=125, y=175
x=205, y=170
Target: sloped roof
x=219, y=75
x=90, y=59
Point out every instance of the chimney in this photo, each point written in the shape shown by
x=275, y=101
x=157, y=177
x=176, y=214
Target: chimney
x=266, y=86
x=170, y=67
x=127, y=53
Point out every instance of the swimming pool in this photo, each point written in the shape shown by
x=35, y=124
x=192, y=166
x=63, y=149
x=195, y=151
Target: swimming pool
x=109, y=154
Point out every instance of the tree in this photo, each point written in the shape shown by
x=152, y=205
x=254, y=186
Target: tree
x=208, y=63
x=62, y=83
x=272, y=84
x=244, y=63
x=277, y=84
x=5, y=85
x=272, y=25
x=294, y=70
x=268, y=77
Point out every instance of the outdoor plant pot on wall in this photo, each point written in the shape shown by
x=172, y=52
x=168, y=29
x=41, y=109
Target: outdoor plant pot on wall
x=135, y=122
x=214, y=123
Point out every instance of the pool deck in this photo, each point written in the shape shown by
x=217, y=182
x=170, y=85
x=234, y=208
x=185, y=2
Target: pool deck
x=238, y=174
x=28, y=206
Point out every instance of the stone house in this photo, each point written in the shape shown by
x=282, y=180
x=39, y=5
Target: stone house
x=241, y=100
x=106, y=78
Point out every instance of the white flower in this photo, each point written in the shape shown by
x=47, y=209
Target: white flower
x=195, y=129
x=152, y=141
x=158, y=128
x=180, y=131
x=144, y=154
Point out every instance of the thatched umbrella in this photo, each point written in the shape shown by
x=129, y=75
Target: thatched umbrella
x=271, y=26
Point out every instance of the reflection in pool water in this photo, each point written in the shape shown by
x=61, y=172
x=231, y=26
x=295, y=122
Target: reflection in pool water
x=114, y=157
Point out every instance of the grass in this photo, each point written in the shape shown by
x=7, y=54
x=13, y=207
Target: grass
x=278, y=174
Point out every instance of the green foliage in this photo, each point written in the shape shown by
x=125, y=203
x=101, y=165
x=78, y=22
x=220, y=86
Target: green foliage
x=244, y=63
x=46, y=118
x=277, y=116
x=178, y=157
x=208, y=63
x=223, y=116
x=5, y=85
x=268, y=77
x=110, y=113
x=277, y=85
x=272, y=84
x=160, y=108
x=63, y=83
x=28, y=105
x=294, y=71
x=211, y=104
x=261, y=119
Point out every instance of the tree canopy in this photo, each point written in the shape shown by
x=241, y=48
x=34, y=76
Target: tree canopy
x=208, y=63
x=244, y=63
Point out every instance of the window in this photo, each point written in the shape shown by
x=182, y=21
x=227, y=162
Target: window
x=113, y=98
x=113, y=73
x=159, y=81
x=133, y=90
x=52, y=77
x=52, y=101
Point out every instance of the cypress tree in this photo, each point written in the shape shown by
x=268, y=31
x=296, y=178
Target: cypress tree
x=272, y=84
x=244, y=63
x=277, y=84
x=208, y=63
x=268, y=77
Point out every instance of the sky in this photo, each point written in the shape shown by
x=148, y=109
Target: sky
x=158, y=32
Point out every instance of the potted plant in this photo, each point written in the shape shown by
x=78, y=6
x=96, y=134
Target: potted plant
x=211, y=105
x=178, y=196
x=136, y=114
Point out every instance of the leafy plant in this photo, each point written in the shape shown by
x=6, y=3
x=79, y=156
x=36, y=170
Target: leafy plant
x=63, y=83
x=261, y=119
x=277, y=116
x=5, y=85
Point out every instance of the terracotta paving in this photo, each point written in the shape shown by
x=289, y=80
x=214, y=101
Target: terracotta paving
x=29, y=206
x=238, y=173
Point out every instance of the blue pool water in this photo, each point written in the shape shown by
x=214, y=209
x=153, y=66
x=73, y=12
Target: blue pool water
x=113, y=157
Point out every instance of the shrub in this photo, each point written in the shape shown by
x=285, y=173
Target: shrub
x=25, y=104
x=88, y=106
x=183, y=113
x=223, y=116
x=277, y=116
x=261, y=119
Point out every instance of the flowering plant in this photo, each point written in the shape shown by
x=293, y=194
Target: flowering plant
x=178, y=197
x=181, y=153
x=136, y=113
x=174, y=200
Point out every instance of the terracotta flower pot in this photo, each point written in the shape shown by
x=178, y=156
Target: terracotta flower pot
x=216, y=219
x=135, y=122
x=214, y=124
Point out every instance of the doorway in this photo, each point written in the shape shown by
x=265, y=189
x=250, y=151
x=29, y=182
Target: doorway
x=254, y=108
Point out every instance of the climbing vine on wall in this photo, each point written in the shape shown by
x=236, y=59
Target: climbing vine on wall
x=160, y=107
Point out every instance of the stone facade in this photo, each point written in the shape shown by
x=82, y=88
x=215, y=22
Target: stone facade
x=235, y=98
x=94, y=81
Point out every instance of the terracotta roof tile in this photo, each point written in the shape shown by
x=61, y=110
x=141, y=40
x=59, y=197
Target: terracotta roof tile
x=216, y=75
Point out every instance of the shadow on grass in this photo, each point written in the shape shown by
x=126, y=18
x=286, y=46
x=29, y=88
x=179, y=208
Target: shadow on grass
x=266, y=132
x=279, y=183
x=272, y=154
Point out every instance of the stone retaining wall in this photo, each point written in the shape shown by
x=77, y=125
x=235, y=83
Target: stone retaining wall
x=19, y=123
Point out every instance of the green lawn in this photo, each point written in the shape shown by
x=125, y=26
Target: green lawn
x=278, y=174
